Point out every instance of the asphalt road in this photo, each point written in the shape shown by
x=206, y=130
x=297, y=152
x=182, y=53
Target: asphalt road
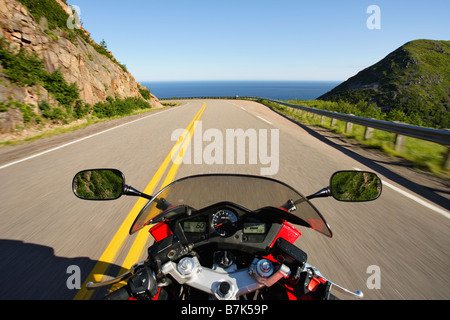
x=45, y=230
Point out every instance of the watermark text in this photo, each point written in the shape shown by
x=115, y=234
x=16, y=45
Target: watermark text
x=236, y=146
x=374, y=280
x=374, y=20
x=74, y=280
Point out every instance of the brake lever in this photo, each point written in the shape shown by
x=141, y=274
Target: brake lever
x=358, y=293
x=95, y=285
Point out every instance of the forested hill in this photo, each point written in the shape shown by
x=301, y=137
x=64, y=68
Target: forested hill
x=414, y=79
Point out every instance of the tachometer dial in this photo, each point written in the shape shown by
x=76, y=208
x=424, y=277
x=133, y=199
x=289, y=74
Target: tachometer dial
x=224, y=222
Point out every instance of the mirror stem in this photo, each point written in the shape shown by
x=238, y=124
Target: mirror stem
x=325, y=192
x=130, y=191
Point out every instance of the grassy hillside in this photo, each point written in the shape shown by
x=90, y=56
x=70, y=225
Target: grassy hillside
x=414, y=80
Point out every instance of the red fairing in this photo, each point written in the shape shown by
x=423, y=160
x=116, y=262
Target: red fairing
x=157, y=295
x=160, y=231
x=288, y=233
x=290, y=292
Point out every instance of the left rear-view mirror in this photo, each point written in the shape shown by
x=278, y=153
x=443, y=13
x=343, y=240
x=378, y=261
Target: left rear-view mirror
x=99, y=184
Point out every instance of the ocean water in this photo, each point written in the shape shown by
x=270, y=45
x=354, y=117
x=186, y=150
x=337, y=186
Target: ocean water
x=279, y=90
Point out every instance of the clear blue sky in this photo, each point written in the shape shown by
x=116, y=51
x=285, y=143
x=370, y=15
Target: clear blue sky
x=169, y=40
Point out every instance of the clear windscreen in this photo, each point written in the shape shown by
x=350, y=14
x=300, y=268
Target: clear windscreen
x=251, y=192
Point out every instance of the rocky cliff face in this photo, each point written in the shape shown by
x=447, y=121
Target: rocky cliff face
x=97, y=76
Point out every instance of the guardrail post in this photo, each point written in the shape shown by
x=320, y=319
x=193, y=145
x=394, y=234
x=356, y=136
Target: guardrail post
x=348, y=127
x=333, y=122
x=368, y=133
x=399, y=142
x=446, y=163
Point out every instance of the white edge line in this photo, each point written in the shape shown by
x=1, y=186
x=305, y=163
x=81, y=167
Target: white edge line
x=414, y=198
x=234, y=104
x=76, y=141
x=257, y=116
x=264, y=120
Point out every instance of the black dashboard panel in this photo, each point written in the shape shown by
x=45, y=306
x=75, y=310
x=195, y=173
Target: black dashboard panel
x=226, y=225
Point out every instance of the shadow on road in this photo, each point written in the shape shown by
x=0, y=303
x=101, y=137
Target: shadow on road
x=33, y=272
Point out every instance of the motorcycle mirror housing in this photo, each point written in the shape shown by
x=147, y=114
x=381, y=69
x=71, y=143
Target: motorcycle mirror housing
x=103, y=184
x=99, y=184
x=355, y=186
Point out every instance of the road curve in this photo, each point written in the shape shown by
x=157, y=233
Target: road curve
x=45, y=230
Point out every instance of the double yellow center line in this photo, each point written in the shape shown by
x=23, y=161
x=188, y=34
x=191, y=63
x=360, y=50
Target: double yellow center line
x=133, y=256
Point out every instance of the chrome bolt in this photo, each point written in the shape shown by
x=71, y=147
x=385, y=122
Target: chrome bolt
x=186, y=266
x=264, y=268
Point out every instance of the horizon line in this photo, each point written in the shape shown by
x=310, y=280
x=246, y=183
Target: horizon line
x=241, y=80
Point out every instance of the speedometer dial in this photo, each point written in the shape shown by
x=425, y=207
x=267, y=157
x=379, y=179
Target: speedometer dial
x=224, y=222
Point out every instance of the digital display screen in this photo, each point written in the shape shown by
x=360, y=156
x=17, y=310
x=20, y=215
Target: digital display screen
x=254, y=228
x=194, y=226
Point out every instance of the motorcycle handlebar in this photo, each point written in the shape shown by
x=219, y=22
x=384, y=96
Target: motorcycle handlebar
x=141, y=285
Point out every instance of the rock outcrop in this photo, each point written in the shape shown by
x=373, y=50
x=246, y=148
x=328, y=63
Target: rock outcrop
x=97, y=76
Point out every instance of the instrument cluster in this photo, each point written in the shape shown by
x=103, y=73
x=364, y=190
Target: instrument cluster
x=227, y=222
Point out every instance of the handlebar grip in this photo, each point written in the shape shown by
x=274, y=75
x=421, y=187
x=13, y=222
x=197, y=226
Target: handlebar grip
x=120, y=294
x=143, y=284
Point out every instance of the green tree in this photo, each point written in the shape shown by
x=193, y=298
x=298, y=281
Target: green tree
x=103, y=44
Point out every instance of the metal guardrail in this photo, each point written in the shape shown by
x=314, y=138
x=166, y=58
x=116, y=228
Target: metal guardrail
x=400, y=129
x=434, y=135
x=423, y=133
